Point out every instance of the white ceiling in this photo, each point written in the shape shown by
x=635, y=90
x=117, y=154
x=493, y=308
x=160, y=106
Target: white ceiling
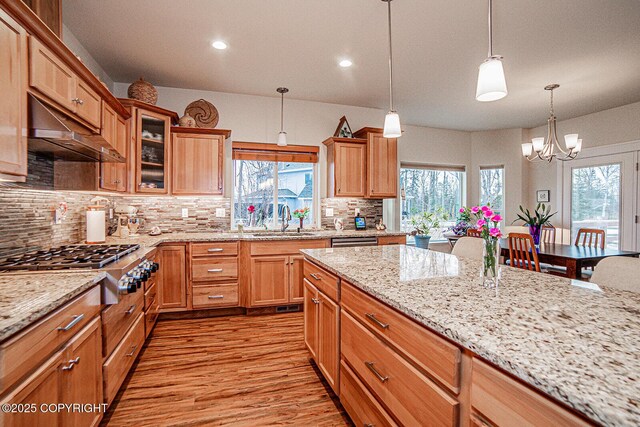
x=590, y=47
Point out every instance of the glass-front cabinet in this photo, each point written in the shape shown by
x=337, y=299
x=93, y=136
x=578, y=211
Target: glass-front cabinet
x=152, y=155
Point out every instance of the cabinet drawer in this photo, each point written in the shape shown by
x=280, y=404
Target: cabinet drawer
x=150, y=296
x=321, y=279
x=429, y=352
x=30, y=348
x=117, y=366
x=412, y=398
x=361, y=406
x=285, y=247
x=150, y=318
x=206, y=269
x=214, y=249
x=118, y=318
x=506, y=402
x=219, y=295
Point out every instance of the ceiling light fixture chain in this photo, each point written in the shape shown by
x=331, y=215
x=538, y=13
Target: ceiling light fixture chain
x=392, y=127
x=545, y=149
x=490, y=29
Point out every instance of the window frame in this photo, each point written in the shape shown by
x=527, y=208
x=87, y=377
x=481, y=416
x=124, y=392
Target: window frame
x=433, y=167
x=502, y=208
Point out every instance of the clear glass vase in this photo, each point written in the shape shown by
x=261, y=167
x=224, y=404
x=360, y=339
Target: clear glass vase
x=490, y=262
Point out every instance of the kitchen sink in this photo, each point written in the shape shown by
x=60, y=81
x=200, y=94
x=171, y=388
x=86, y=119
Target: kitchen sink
x=285, y=233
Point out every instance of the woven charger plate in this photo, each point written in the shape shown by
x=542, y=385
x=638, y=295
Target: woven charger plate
x=204, y=112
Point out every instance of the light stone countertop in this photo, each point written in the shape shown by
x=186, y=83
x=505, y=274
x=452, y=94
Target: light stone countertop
x=146, y=240
x=26, y=297
x=571, y=340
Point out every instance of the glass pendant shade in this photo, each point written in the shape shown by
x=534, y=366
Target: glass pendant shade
x=537, y=144
x=571, y=140
x=282, y=139
x=578, y=147
x=491, y=82
x=392, y=125
x=527, y=149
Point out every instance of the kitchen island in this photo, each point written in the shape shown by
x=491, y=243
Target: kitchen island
x=571, y=341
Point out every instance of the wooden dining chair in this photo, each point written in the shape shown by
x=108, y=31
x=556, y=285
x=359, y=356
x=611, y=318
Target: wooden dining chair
x=618, y=272
x=522, y=252
x=473, y=232
x=548, y=234
x=591, y=237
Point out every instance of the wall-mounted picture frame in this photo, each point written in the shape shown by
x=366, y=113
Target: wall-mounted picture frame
x=343, y=130
x=543, y=196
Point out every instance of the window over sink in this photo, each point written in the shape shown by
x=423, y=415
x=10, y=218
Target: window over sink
x=268, y=178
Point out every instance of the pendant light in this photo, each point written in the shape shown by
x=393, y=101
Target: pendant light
x=282, y=136
x=392, y=120
x=491, y=82
x=550, y=148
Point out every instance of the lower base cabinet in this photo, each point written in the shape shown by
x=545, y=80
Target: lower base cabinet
x=71, y=375
x=322, y=328
x=172, y=277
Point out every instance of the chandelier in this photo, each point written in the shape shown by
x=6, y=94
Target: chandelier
x=549, y=148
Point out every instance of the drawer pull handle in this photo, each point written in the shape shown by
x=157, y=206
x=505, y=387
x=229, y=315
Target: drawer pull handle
x=382, y=379
x=133, y=350
x=78, y=101
x=315, y=276
x=215, y=270
x=215, y=250
x=72, y=363
x=215, y=296
x=315, y=300
x=131, y=310
x=369, y=425
x=375, y=320
x=77, y=318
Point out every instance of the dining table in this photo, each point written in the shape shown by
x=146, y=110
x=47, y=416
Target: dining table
x=573, y=257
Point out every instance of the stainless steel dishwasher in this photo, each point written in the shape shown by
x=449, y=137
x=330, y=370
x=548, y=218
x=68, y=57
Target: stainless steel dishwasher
x=350, y=242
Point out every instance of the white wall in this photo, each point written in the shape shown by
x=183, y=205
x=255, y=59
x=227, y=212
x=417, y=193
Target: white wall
x=500, y=148
x=78, y=49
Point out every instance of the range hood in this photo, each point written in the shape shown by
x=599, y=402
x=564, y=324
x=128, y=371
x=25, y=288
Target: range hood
x=53, y=133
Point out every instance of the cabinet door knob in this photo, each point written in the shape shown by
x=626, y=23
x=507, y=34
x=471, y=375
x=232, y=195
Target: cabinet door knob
x=78, y=101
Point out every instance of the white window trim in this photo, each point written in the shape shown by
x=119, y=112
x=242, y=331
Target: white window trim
x=504, y=185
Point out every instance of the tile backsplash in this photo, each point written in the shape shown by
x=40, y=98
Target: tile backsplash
x=346, y=209
x=27, y=216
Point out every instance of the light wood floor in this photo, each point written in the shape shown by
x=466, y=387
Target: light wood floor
x=238, y=370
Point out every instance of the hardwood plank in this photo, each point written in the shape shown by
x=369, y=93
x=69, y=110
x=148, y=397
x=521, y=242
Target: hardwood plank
x=233, y=370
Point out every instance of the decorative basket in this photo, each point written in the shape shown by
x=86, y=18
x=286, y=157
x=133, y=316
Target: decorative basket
x=143, y=91
x=204, y=113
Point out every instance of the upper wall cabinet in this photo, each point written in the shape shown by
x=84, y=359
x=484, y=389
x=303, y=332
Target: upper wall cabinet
x=198, y=160
x=382, y=164
x=50, y=11
x=346, y=167
x=149, y=147
x=54, y=80
x=13, y=100
x=114, y=176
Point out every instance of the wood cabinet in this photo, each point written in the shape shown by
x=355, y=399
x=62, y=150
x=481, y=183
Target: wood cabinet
x=13, y=101
x=71, y=375
x=322, y=326
x=346, y=163
x=214, y=275
x=382, y=164
x=113, y=176
x=275, y=276
x=50, y=11
x=55, y=81
x=172, y=280
x=392, y=240
x=198, y=160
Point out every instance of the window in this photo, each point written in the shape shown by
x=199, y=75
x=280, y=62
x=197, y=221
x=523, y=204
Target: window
x=426, y=188
x=267, y=178
x=492, y=187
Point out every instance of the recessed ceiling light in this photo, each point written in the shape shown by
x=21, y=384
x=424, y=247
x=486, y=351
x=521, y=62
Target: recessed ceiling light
x=345, y=63
x=219, y=44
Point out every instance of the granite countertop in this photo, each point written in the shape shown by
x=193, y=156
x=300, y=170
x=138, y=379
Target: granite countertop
x=571, y=340
x=28, y=296
x=150, y=241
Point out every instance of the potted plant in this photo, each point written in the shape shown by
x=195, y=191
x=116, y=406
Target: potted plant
x=424, y=223
x=301, y=214
x=463, y=222
x=535, y=221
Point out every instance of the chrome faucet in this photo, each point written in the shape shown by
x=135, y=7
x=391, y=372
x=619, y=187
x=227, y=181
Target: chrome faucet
x=286, y=217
